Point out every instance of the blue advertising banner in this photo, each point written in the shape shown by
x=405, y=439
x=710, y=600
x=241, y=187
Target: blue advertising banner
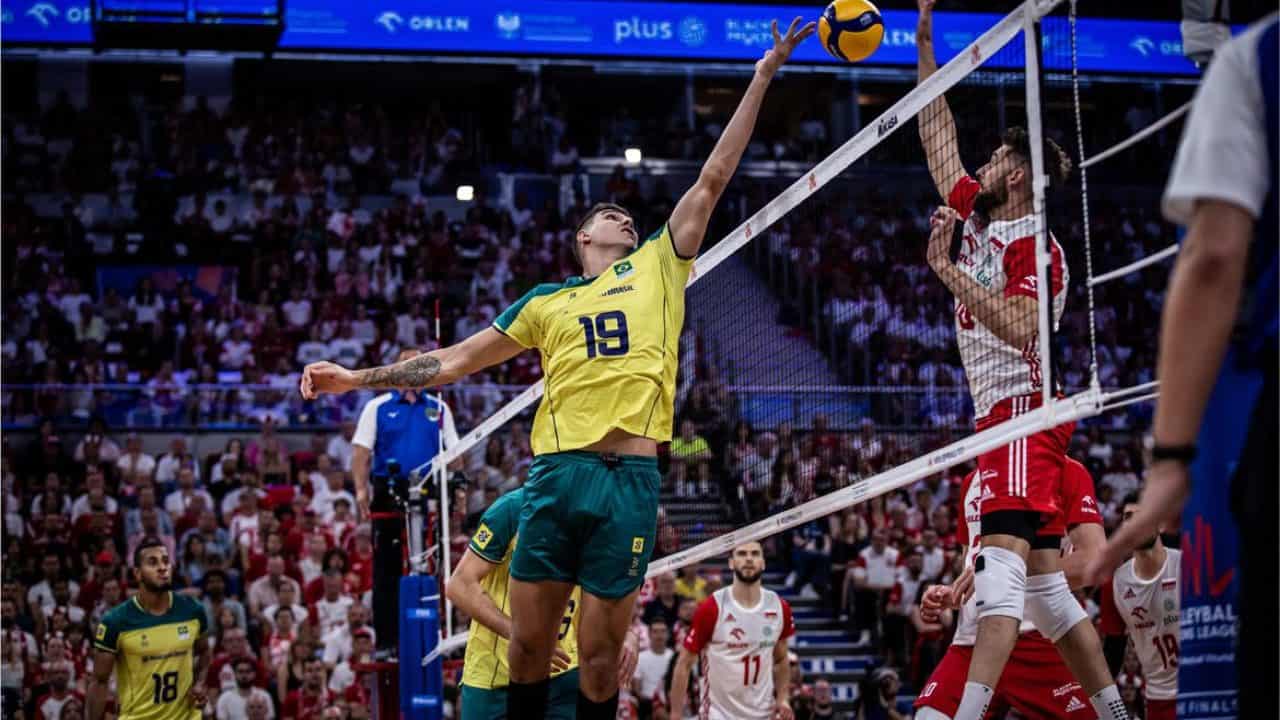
x=645, y=29
x=1207, y=673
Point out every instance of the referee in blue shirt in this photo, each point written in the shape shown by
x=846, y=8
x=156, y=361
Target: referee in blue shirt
x=407, y=428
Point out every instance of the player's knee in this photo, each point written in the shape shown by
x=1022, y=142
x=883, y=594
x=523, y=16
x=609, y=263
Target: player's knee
x=999, y=582
x=525, y=651
x=598, y=674
x=1051, y=607
x=928, y=713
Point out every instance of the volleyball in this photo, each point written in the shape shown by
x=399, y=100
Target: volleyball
x=851, y=30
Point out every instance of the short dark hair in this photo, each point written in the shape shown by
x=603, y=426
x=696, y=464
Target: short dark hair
x=590, y=217
x=147, y=543
x=1130, y=499
x=1057, y=164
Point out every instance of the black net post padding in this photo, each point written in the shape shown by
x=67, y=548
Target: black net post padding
x=386, y=518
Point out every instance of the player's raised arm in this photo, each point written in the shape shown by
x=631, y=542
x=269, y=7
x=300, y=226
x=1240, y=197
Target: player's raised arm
x=937, y=125
x=438, y=367
x=1013, y=319
x=691, y=215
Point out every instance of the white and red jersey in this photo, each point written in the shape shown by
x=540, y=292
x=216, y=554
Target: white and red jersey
x=735, y=647
x=1078, y=503
x=1151, y=610
x=1000, y=256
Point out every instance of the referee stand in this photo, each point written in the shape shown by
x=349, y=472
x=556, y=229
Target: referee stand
x=406, y=607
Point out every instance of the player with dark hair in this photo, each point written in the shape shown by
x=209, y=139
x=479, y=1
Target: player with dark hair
x=609, y=345
x=739, y=635
x=156, y=643
x=1141, y=603
x=995, y=282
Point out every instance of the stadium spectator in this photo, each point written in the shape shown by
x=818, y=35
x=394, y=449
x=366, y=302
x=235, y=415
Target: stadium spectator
x=652, y=667
x=665, y=606
x=872, y=576
x=313, y=697
x=233, y=703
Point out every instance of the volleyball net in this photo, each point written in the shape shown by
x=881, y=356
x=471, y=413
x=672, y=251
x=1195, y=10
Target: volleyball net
x=821, y=363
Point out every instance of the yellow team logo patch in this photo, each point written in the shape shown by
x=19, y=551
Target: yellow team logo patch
x=483, y=536
x=102, y=632
x=637, y=545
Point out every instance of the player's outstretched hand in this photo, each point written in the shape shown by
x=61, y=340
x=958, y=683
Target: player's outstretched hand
x=926, y=6
x=1166, y=491
x=198, y=695
x=783, y=45
x=782, y=711
x=627, y=659
x=319, y=378
x=560, y=660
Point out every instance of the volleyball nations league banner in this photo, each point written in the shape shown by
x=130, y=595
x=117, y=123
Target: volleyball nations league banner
x=1207, y=679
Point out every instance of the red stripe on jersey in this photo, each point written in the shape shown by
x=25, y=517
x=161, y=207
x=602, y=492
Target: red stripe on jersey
x=703, y=626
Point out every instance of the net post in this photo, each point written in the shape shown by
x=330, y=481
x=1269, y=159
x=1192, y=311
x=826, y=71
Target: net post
x=440, y=470
x=1044, y=258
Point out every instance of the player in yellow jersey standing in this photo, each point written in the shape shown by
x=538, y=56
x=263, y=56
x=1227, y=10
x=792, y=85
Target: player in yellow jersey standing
x=155, y=641
x=480, y=587
x=608, y=342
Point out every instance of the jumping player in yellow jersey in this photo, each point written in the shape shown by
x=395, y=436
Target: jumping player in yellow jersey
x=155, y=641
x=609, y=351
x=480, y=587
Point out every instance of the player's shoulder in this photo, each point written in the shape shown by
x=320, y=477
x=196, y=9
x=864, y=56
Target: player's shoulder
x=506, y=504
x=118, y=616
x=186, y=607
x=531, y=300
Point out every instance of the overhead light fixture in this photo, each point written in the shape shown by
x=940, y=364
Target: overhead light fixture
x=466, y=193
x=633, y=155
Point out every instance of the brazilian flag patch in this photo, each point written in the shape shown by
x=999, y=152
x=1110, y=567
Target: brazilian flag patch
x=483, y=536
x=624, y=270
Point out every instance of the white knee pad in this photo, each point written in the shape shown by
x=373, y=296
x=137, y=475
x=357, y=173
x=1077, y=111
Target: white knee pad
x=1051, y=607
x=999, y=582
x=928, y=713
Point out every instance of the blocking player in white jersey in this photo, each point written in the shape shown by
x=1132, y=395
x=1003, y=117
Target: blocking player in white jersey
x=1036, y=682
x=1143, y=596
x=740, y=635
x=995, y=284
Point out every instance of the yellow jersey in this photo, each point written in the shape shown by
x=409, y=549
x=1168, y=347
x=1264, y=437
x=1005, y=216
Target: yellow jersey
x=485, y=666
x=154, y=656
x=609, y=347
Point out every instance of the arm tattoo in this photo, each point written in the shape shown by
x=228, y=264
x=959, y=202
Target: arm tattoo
x=416, y=372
